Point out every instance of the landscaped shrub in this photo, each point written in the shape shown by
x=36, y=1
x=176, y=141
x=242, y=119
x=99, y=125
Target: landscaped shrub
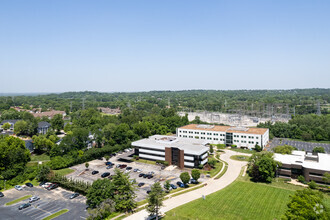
x=301, y=179
x=312, y=185
x=233, y=146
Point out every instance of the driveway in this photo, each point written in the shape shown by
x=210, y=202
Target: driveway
x=213, y=185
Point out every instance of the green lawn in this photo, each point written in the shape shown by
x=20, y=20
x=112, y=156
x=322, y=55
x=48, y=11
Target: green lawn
x=64, y=171
x=214, y=171
x=56, y=214
x=145, y=161
x=18, y=200
x=41, y=157
x=240, y=157
x=240, y=150
x=240, y=200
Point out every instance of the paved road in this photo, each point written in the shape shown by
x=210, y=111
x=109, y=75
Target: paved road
x=300, y=145
x=234, y=169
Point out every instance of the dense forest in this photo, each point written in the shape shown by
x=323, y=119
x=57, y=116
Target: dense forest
x=304, y=101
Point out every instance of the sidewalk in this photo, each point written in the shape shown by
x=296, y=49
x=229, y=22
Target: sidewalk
x=234, y=169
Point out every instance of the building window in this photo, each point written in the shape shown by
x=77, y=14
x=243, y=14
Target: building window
x=184, y=131
x=190, y=132
x=215, y=134
x=190, y=136
x=202, y=137
x=202, y=132
x=196, y=137
x=196, y=132
x=179, y=135
x=257, y=137
x=215, y=139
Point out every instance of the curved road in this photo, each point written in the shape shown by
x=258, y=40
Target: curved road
x=213, y=185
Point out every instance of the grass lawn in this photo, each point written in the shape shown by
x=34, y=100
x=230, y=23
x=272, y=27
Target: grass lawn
x=56, y=214
x=240, y=157
x=242, y=199
x=64, y=171
x=18, y=200
x=145, y=161
x=41, y=157
x=247, y=151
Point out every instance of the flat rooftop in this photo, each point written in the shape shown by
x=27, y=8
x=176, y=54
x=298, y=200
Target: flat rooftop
x=190, y=146
x=318, y=162
x=244, y=130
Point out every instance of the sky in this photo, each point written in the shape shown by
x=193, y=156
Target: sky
x=139, y=45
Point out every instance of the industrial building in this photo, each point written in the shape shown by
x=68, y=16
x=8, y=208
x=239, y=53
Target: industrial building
x=240, y=136
x=177, y=151
x=310, y=165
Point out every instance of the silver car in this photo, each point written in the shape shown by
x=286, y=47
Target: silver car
x=18, y=187
x=33, y=199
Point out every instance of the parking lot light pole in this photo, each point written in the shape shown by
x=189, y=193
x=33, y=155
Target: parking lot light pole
x=4, y=184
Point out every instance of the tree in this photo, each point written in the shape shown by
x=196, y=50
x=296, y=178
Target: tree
x=155, y=199
x=211, y=149
x=318, y=150
x=107, y=157
x=86, y=165
x=6, y=126
x=21, y=128
x=167, y=185
x=195, y=174
x=257, y=148
x=42, y=144
x=102, y=211
x=312, y=184
x=285, y=149
x=326, y=177
x=57, y=122
x=43, y=172
x=100, y=190
x=212, y=162
x=185, y=177
x=306, y=204
x=262, y=167
x=124, y=193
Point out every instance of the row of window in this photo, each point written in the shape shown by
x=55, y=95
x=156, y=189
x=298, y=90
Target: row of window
x=243, y=136
x=250, y=142
x=217, y=139
x=217, y=134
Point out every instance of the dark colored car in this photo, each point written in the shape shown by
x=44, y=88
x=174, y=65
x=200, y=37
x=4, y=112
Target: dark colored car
x=95, y=172
x=140, y=184
x=52, y=186
x=109, y=167
x=24, y=206
x=29, y=184
x=42, y=183
x=150, y=176
x=145, y=175
x=173, y=186
x=105, y=174
x=141, y=174
x=1, y=194
x=180, y=184
x=108, y=163
x=74, y=195
x=123, y=166
x=193, y=181
x=148, y=191
x=129, y=168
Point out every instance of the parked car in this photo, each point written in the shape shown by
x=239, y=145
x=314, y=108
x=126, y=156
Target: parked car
x=180, y=184
x=24, y=206
x=173, y=186
x=45, y=185
x=105, y=174
x=141, y=184
x=141, y=174
x=123, y=166
x=145, y=175
x=129, y=168
x=193, y=181
x=95, y=172
x=42, y=183
x=74, y=195
x=52, y=186
x=135, y=170
x=29, y=184
x=148, y=191
x=139, y=171
x=150, y=176
x=33, y=199
x=118, y=165
x=109, y=167
x=1, y=194
x=108, y=163
x=18, y=187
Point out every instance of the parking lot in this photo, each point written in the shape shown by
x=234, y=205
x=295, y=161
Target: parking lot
x=173, y=175
x=300, y=145
x=50, y=202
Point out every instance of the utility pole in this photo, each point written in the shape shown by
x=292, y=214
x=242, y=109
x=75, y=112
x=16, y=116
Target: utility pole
x=83, y=103
x=318, y=108
x=71, y=106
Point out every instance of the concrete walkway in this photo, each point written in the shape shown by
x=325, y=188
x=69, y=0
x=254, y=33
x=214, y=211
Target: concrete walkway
x=213, y=185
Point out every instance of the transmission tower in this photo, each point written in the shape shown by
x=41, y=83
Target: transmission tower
x=83, y=103
x=71, y=106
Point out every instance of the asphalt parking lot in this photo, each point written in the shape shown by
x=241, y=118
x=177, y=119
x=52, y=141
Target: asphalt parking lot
x=50, y=202
x=159, y=175
x=300, y=145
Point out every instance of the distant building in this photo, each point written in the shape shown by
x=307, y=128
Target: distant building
x=214, y=134
x=110, y=111
x=176, y=151
x=311, y=166
x=49, y=114
x=11, y=122
x=43, y=127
